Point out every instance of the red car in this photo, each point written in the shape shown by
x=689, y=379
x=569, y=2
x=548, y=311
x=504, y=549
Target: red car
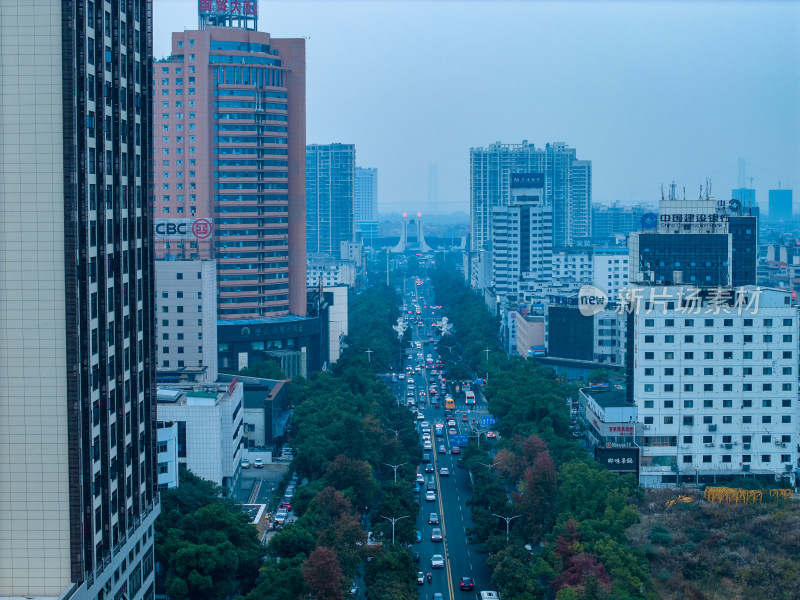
x=285, y=506
x=467, y=584
x=455, y=450
x=464, y=417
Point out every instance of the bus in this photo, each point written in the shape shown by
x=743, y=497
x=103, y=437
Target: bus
x=470, y=397
x=449, y=403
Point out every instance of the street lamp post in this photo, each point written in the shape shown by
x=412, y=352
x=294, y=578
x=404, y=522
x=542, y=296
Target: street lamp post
x=393, y=521
x=395, y=467
x=508, y=523
x=487, y=364
x=369, y=355
x=395, y=431
x=491, y=466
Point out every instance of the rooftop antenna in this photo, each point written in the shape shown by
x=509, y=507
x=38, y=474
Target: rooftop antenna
x=701, y=192
x=684, y=192
x=662, y=192
x=751, y=181
x=672, y=191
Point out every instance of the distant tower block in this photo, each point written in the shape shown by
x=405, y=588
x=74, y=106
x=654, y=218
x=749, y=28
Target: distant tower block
x=411, y=236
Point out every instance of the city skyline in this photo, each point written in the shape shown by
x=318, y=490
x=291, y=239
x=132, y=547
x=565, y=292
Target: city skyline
x=683, y=104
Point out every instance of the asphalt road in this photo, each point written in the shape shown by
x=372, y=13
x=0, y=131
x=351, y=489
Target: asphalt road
x=454, y=490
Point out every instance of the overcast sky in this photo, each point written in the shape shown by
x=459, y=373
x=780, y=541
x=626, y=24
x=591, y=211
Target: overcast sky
x=650, y=92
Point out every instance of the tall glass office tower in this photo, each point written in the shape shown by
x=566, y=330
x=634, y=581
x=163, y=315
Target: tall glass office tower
x=78, y=481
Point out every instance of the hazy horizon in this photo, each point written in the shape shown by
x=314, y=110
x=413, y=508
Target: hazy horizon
x=649, y=92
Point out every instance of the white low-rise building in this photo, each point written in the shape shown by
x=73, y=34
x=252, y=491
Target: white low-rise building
x=713, y=374
x=167, y=449
x=327, y=271
x=208, y=419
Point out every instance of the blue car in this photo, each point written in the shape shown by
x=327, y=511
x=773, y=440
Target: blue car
x=418, y=534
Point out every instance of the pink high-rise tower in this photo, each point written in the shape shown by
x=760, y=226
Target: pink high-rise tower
x=229, y=159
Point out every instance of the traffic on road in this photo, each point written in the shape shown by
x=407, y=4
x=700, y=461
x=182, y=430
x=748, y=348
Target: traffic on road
x=448, y=564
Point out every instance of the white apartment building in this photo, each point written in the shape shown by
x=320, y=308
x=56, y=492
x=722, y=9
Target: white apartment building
x=167, y=450
x=209, y=428
x=522, y=241
x=610, y=270
x=186, y=315
x=714, y=378
x=327, y=271
x=366, y=195
x=337, y=320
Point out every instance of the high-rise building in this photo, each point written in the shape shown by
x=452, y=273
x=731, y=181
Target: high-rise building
x=229, y=164
x=330, y=196
x=366, y=194
x=702, y=242
x=780, y=205
x=712, y=374
x=615, y=219
x=522, y=237
x=78, y=476
x=567, y=187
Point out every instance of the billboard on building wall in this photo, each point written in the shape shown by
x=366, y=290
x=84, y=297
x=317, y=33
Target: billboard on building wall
x=527, y=180
x=242, y=8
x=619, y=460
x=183, y=229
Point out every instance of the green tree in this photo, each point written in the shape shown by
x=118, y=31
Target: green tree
x=267, y=369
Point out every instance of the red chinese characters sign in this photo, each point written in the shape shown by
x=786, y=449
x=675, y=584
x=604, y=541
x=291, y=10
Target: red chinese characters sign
x=621, y=430
x=248, y=8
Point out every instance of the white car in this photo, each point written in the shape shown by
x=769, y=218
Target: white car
x=245, y=463
x=420, y=478
x=258, y=463
x=401, y=376
x=444, y=472
x=426, y=445
x=430, y=496
x=437, y=560
x=421, y=417
x=420, y=577
x=424, y=423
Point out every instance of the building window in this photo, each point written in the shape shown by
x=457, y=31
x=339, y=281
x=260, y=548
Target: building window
x=648, y=420
x=687, y=458
x=668, y=387
x=688, y=420
x=747, y=419
x=765, y=458
x=667, y=420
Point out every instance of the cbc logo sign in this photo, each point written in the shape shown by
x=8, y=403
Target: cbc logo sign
x=184, y=228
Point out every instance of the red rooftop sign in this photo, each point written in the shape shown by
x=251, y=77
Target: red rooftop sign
x=243, y=8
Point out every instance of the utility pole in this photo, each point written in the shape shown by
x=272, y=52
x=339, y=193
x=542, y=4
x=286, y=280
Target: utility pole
x=395, y=467
x=487, y=365
x=369, y=355
x=394, y=520
x=508, y=522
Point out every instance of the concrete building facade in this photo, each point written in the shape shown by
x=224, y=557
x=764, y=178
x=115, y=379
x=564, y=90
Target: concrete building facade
x=713, y=375
x=186, y=309
x=567, y=187
x=78, y=481
x=229, y=112
x=208, y=418
x=366, y=195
